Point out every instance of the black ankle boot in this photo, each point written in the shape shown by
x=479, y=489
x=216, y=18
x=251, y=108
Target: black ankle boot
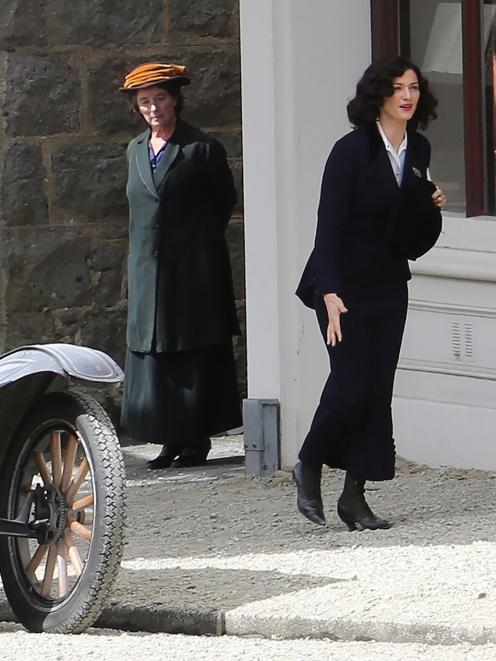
x=196, y=458
x=308, y=498
x=165, y=458
x=353, y=509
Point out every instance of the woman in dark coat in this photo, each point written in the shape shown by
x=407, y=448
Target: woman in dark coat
x=180, y=386
x=356, y=280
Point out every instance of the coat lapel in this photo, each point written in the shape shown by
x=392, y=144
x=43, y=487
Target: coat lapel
x=379, y=157
x=153, y=180
x=410, y=162
x=143, y=164
x=171, y=153
x=408, y=166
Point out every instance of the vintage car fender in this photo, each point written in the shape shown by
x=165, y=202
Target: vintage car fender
x=66, y=360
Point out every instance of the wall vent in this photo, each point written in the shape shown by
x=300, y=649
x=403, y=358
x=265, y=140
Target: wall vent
x=468, y=340
x=456, y=343
x=462, y=340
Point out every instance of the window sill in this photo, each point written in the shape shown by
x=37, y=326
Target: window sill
x=460, y=233
x=458, y=263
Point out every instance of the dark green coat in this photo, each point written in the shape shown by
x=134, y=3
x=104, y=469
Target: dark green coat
x=179, y=274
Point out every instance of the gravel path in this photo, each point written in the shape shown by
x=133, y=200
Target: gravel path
x=116, y=645
x=212, y=538
x=207, y=535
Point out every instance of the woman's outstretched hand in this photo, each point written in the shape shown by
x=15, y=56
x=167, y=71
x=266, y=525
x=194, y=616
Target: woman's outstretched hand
x=439, y=198
x=335, y=308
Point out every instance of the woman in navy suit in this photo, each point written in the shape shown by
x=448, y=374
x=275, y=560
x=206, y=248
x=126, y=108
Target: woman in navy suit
x=356, y=283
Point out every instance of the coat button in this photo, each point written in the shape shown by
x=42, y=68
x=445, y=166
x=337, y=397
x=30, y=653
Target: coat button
x=155, y=253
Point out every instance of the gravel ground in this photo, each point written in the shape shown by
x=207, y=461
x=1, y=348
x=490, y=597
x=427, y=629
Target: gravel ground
x=207, y=535
x=211, y=538
x=109, y=645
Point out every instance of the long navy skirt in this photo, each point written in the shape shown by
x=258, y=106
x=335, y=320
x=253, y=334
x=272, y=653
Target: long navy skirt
x=352, y=427
x=180, y=398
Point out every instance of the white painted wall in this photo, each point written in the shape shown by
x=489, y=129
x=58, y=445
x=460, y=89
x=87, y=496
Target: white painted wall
x=260, y=165
x=300, y=63
x=445, y=391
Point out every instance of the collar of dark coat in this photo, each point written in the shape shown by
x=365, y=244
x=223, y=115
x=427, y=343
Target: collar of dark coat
x=181, y=135
x=155, y=180
x=377, y=150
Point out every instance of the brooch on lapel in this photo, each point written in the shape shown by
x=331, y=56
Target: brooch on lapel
x=417, y=173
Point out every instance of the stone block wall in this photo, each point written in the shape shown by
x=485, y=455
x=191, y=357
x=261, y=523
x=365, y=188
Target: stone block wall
x=64, y=127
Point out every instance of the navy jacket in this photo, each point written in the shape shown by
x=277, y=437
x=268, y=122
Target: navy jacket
x=180, y=290
x=359, y=195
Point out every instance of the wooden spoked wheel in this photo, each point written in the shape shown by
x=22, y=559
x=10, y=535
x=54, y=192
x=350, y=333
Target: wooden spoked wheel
x=59, y=464
x=65, y=457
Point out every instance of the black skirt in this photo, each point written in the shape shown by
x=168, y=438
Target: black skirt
x=180, y=398
x=352, y=427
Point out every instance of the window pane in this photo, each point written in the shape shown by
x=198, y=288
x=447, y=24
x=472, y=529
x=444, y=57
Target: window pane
x=434, y=34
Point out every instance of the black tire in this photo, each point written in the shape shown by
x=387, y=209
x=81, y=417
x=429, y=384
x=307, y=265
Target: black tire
x=77, y=420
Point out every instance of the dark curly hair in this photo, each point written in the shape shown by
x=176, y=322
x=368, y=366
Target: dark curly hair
x=377, y=83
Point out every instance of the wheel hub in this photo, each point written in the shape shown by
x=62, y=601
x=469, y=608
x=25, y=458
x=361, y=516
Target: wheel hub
x=50, y=512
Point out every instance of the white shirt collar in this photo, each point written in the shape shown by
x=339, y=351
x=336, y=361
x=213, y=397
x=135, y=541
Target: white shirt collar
x=388, y=145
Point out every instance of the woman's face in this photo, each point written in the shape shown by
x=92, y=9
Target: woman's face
x=157, y=106
x=403, y=102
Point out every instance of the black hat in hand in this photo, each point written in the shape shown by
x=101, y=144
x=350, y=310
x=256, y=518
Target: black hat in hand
x=417, y=222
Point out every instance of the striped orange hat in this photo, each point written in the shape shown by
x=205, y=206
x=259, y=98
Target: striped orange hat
x=153, y=73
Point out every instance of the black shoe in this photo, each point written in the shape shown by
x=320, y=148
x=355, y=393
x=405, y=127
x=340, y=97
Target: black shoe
x=165, y=458
x=353, y=509
x=199, y=458
x=308, y=498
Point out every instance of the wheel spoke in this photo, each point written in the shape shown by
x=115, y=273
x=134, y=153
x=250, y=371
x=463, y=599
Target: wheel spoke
x=46, y=587
x=42, y=466
x=70, y=457
x=73, y=553
x=78, y=479
x=62, y=568
x=34, y=563
x=83, y=502
x=56, y=451
x=81, y=530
